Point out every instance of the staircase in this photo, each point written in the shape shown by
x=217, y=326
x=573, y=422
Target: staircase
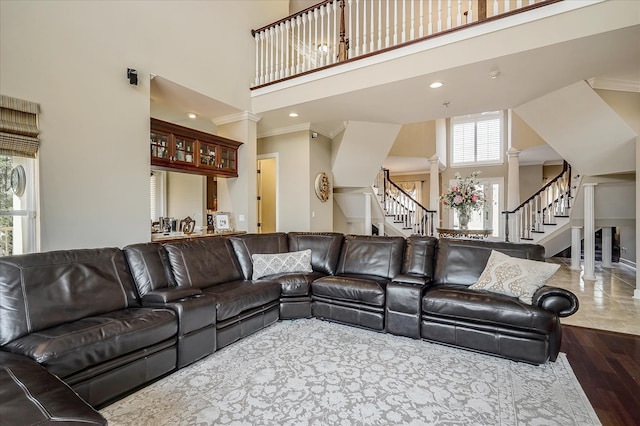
x=545, y=217
x=401, y=211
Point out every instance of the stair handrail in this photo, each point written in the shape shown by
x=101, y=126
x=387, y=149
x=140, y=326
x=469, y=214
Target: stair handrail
x=566, y=169
x=404, y=212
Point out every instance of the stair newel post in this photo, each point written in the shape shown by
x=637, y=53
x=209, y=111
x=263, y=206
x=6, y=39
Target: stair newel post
x=506, y=226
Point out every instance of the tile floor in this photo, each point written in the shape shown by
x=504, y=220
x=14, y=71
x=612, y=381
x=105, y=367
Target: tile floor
x=605, y=304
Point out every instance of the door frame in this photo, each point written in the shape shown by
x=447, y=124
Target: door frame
x=275, y=156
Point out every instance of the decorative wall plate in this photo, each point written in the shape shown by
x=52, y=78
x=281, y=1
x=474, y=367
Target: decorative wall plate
x=18, y=180
x=322, y=186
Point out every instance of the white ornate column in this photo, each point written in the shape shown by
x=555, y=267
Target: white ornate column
x=513, y=191
x=606, y=247
x=576, y=241
x=239, y=195
x=367, y=214
x=513, y=180
x=636, y=293
x=434, y=188
x=589, y=232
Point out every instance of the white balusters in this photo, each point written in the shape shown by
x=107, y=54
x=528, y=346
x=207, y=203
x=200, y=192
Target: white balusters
x=421, y=27
x=395, y=22
x=311, y=39
x=379, y=24
x=386, y=36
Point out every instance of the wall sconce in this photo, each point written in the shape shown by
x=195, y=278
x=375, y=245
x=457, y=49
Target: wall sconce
x=132, y=75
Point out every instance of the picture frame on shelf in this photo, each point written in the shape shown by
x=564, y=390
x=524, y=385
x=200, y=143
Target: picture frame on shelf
x=222, y=222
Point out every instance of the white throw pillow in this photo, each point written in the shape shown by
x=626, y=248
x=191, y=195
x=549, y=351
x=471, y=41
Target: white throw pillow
x=270, y=264
x=513, y=276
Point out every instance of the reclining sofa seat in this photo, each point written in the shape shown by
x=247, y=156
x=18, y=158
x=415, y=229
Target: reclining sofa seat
x=490, y=322
x=404, y=293
x=295, y=297
x=243, y=306
x=77, y=313
x=196, y=311
x=356, y=293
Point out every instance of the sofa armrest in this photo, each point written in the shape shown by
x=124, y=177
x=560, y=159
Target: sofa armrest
x=557, y=300
x=415, y=279
x=169, y=294
x=31, y=395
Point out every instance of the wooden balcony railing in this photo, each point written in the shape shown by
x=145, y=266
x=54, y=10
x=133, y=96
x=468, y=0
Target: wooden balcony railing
x=335, y=31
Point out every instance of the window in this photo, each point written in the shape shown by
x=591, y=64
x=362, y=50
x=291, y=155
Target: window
x=18, y=227
x=19, y=145
x=157, y=194
x=477, y=139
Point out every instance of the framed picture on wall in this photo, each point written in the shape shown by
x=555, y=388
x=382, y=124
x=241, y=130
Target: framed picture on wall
x=222, y=222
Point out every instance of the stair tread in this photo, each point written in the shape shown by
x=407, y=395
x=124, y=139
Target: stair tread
x=538, y=232
x=556, y=215
x=550, y=224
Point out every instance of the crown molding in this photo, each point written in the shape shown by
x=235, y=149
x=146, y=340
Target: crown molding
x=614, y=84
x=232, y=118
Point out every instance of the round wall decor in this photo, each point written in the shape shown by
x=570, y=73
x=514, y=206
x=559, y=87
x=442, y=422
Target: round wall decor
x=18, y=180
x=322, y=186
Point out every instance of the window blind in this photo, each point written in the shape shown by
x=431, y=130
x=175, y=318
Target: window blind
x=19, y=127
x=477, y=138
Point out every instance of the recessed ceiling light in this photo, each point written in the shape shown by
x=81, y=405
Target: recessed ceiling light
x=293, y=114
x=192, y=115
x=436, y=84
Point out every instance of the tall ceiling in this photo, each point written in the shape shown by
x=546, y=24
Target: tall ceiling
x=532, y=60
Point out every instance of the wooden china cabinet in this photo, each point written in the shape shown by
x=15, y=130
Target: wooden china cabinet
x=187, y=150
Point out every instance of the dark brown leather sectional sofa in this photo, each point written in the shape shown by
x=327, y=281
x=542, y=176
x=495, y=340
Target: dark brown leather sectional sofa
x=107, y=321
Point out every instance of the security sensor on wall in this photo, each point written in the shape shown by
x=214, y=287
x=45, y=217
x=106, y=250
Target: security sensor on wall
x=314, y=135
x=132, y=75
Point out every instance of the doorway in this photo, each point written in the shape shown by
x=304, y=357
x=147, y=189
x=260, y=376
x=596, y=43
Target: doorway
x=267, y=193
x=489, y=216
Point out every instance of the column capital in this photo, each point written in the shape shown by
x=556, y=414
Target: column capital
x=590, y=184
x=512, y=152
x=434, y=159
x=232, y=118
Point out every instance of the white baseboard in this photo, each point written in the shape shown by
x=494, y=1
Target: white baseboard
x=627, y=263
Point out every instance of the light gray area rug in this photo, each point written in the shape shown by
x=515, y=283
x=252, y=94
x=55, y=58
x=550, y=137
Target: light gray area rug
x=312, y=372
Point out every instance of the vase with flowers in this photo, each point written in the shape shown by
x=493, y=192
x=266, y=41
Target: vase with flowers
x=464, y=196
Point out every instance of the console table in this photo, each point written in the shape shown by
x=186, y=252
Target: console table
x=472, y=234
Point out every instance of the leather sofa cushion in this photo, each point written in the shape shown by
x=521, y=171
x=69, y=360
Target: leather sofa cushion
x=419, y=256
x=149, y=264
x=295, y=284
x=30, y=395
x=235, y=297
x=248, y=244
x=462, y=261
x=203, y=262
x=71, y=347
x=350, y=289
x=461, y=303
x=43, y=290
x=325, y=248
x=371, y=255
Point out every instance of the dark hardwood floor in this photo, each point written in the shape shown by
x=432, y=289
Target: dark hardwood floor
x=607, y=365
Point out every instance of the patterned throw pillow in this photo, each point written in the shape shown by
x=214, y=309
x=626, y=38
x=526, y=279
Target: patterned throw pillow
x=270, y=264
x=513, y=276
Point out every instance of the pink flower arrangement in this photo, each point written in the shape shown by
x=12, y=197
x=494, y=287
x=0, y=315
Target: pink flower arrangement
x=464, y=196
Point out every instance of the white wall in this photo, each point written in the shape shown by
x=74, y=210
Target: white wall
x=186, y=196
x=294, y=175
x=321, y=219
x=72, y=58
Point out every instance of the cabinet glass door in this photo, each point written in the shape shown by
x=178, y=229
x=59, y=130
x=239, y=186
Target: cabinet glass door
x=185, y=149
x=159, y=146
x=227, y=158
x=207, y=155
